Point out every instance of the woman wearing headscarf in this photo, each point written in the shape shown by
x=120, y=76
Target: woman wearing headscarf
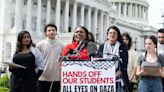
x=114, y=45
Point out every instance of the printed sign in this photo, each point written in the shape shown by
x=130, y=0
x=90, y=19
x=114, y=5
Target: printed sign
x=88, y=76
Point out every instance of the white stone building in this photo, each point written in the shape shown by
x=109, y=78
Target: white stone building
x=97, y=15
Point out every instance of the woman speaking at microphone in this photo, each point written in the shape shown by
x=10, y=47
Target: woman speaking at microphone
x=79, y=45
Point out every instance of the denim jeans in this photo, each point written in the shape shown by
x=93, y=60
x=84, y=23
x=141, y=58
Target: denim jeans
x=119, y=88
x=150, y=84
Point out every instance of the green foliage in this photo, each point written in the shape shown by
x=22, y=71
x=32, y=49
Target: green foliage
x=4, y=81
x=3, y=89
x=136, y=84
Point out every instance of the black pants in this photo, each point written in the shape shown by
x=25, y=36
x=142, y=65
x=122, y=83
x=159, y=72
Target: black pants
x=163, y=84
x=22, y=85
x=120, y=88
x=45, y=86
x=132, y=86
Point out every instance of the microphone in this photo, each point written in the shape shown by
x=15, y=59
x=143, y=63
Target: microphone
x=80, y=46
x=70, y=51
x=110, y=56
x=92, y=49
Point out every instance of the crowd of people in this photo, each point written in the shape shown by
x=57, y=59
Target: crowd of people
x=42, y=73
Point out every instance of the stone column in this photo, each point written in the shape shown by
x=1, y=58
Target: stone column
x=146, y=15
x=130, y=10
x=18, y=15
x=39, y=16
x=136, y=11
x=66, y=16
x=58, y=8
x=95, y=21
x=89, y=19
x=107, y=21
x=119, y=9
x=140, y=13
x=82, y=15
x=2, y=19
x=125, y=9
x=142, y=10
x=2, y=10
x=28, y=18
x=48, y=11
x=74, y=24
x=101, y=26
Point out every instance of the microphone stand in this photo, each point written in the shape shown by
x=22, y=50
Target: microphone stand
x=78, y=52
x=52, y=82
x=60, y=60
x=78, y=55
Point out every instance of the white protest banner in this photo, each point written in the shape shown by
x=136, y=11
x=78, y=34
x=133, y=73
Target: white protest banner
x=88, y=76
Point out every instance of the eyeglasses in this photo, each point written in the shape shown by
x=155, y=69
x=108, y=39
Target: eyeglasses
x=160, y=36
x=79, y=32
x=112, y=33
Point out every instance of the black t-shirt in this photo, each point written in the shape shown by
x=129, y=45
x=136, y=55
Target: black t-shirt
x=27, y=60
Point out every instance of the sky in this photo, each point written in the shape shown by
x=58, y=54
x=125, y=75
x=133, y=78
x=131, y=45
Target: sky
x=156, y=7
